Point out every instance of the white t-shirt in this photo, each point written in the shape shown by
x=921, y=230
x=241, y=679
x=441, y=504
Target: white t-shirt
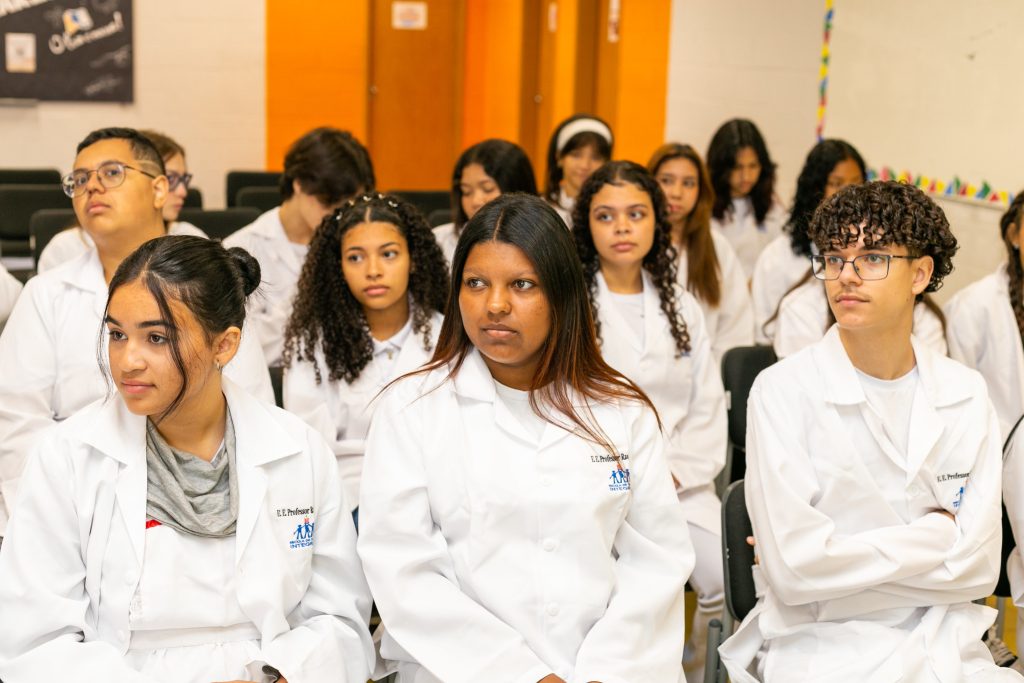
x=892, y=400
x=71, y=243
x=518, y=403
x=631, y=307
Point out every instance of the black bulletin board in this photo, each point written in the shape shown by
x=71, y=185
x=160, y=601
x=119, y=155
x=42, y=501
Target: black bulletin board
x=68, y=51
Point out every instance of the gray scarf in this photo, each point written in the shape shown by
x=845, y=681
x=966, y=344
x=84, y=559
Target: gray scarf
x=188, y=493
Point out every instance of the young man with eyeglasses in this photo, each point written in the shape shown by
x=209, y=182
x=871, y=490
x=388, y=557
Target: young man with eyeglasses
x=69, y=244
x=48, y=349
x=873, y=472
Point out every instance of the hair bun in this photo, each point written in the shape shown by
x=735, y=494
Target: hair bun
x=247, y=267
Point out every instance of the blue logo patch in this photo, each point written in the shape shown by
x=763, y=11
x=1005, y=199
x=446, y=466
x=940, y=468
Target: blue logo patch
x=618, y=480
x=959, y=498
x=303, y=535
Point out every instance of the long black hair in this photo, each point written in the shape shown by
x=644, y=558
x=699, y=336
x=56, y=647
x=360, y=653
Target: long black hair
x=728, y=140
x=210, y=281
x=660, y=261
x=811, y=185
x=1014, y=218
x=326, y=314
x=505, y=162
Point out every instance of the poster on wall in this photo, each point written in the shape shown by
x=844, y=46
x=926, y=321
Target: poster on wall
x=78, y=51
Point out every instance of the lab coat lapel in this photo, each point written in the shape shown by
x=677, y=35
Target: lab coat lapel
x=259, y=440
x=87, y=275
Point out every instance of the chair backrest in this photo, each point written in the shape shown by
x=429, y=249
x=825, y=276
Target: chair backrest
x=427, y=201
x=440, y=217
x=262, y=199
x=194, y=198
x=44, y=226
x=236, y=180
x=29, y=176
x=17, y=204
x=740, y=367
x=218, y=224
x=737, y=554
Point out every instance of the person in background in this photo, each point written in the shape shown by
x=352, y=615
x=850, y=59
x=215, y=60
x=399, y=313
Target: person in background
x=579, y=146
x=10, y=288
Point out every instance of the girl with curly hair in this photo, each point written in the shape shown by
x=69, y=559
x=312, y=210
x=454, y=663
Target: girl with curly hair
x=746, y=209
x=519, y=522
x=707, y=265
x=367, y=311
x=486, y=170
x=785, y=263
x=652, y=330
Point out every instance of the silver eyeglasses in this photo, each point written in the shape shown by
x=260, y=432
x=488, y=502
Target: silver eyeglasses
x=110, y=173
x=867, y=266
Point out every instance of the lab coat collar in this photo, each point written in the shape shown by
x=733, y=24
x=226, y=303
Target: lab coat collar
x=260, y=439
x=842, y=387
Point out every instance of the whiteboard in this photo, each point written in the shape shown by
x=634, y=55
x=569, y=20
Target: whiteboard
x=933, y=87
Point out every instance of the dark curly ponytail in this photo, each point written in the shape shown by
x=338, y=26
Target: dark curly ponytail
x=327, y=315
x=1013, y=218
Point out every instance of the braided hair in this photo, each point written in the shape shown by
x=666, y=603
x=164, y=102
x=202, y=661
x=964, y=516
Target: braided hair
x=659, y=262
x=326, y=313
x=1014, y=218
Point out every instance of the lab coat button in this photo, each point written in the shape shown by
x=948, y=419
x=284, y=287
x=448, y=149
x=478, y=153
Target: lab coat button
x=914, y=491
x=552, y=609
x=549, y=544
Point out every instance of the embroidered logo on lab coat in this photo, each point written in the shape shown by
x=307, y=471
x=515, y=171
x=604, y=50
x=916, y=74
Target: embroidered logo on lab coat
x=618, y=480
x=959, y=498
x=303, y=535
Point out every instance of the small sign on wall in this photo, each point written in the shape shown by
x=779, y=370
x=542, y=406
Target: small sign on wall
x=409, y=16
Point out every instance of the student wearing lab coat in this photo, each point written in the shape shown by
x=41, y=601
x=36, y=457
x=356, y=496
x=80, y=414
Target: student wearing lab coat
x=323, y=169
x=652, y=330
x=10, y=288
x=486, y=170
x=517, y=514
x=71, y=243
x=580, y=145
x=746, y=210
x=873, y=473
x=181, y=530
x=49, y=346
x=986, y=324
x=368, y=310
x=785, y=263
x=707, y=265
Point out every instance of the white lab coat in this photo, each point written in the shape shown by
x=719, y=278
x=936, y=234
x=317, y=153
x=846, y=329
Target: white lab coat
x=686, y=390
x=804, y=314
x=10, y=288
x=858, y=579
x=1013, y=498
x=983, y=335
x=280, y=266
x=494, y=556
x=72, y=557
x=777, y=270
x=73, y=242
x=49, y=367
x=748, y=237
x=447, y=240
x=340, y=411
x=731, y=322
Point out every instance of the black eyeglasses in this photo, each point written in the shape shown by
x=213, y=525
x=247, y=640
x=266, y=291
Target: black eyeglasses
x=867, y=266
x=174, y=179
x=110, y=174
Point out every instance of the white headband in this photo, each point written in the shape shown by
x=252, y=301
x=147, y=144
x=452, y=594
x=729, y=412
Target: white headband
x=582, y=126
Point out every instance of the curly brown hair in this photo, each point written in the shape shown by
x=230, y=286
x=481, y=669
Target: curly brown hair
x=1014, y=218
x=660, y=261
x=887, y=213
x=327, y=315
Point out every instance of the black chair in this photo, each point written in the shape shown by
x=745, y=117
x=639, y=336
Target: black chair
x=738, y=562
x=17, y=204
x=29, y=176
x=218, y=224
x=44, y=226
x=440, y=217
x=277, y=381
x=427, y=201
x=236, y=180
x=261, y=198
x=194, y=199
x=740, y=367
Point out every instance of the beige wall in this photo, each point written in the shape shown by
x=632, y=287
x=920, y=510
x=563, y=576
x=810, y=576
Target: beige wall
x=199, y=77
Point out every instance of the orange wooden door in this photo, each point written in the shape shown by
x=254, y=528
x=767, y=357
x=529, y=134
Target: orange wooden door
x=415, y=92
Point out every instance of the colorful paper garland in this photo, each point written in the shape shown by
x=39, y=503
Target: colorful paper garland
x=984, y=193
x=823, y=72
